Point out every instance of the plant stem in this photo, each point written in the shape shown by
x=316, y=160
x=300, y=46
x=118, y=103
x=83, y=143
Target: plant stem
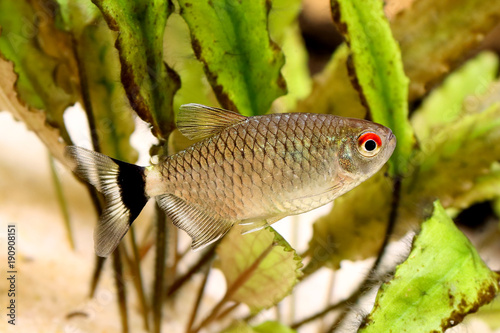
x=139, y=286
x=204, y=260
x=62, y=201
x=99, y=264
x=196, y=305
x=227, y=311
x=367, y=284
x=233, y=288
x=160, y=261
x=120, y=287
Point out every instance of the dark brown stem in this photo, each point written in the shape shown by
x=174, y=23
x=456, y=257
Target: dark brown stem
x=161, y=253
x=196, y=305
x=99, y=264
x=227, y=311
x=233, y=288
x=136, y=267
x=120, y=287
x=368, y=282
x=85, y=92
x=205, y=259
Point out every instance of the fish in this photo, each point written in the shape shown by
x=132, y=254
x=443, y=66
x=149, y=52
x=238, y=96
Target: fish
x=251, y=171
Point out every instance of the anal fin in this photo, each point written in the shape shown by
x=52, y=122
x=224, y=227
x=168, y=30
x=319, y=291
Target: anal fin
x=202, y=227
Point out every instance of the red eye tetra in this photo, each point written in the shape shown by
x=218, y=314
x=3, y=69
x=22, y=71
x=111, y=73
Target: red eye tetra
x=369, y=144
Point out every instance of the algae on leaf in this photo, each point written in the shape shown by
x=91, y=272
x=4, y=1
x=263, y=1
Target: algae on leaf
x=442, y=280
x=260, y=267
x=241, y=62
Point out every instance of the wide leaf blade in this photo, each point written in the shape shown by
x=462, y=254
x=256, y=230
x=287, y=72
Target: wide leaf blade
x=443, y=280
x=241, y=62
x=446, y=103
x=451, y=163
x=260, y=267
x=149, y=83
x=43, y=57
x=35, y=120
x=380, y=78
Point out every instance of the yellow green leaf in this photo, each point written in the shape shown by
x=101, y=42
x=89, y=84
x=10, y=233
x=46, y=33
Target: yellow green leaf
x=260, y=267
x=149, y=83
x=441, y=282
x=446, y=103
x=450, y=162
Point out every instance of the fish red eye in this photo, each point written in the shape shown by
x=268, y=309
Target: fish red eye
x=369, y=144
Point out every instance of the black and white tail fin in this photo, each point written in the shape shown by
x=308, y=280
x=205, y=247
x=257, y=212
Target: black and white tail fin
x=123, y=186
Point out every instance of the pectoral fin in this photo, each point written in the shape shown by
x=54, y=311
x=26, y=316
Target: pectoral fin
x=197, y=121
x=202, y=227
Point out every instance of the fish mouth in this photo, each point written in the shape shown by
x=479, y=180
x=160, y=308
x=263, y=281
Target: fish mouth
x=391, y=137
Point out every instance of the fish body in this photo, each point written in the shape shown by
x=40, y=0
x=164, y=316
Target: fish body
x=251, y=171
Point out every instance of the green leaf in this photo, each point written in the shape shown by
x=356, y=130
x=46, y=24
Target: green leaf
x=433, y=45
x=352, y=231
x=486, y=187
x=43, y=57
x=241, y=62
x=35, y=120
x=376, y=60
x=150, y=84
x=99, y=65
x=112, y=113
x=446, y=103
x=450, y=162
x=265, y=327
x=332, y=92
x=260, y=267
x=285, y=31
x=272, y=327
x=443, y=280
x=180, y=55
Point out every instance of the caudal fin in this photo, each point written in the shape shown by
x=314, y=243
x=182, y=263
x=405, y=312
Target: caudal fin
x=123, y=187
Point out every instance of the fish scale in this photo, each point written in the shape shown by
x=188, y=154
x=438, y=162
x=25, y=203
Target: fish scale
x=251, y=171
x=257, y=183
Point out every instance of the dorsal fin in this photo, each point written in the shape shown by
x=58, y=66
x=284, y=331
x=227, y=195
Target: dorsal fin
x=196, y=121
